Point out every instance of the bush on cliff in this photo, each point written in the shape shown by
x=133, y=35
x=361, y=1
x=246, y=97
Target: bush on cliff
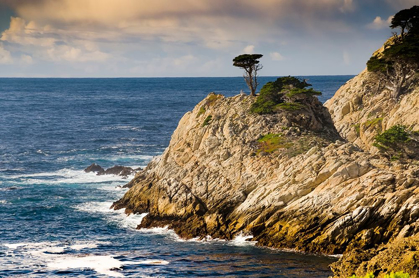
x=398, y=64
x=285, y=93
x=397, y=142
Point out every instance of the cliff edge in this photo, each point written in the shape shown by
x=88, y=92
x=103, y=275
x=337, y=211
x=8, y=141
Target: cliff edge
x=288, y=179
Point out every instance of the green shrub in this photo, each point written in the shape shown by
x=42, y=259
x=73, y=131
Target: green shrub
x=306, y=92
x=290, y=106
x=373, y=122
x=207, y=121
x=391, y=138
x=281, y=91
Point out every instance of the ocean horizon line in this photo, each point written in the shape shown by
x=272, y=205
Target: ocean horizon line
x=174, y=77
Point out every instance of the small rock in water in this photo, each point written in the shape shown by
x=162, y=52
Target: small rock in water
x=119, y=170
x=95, y=168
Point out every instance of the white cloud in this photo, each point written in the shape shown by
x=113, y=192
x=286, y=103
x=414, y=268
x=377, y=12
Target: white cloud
x=250, y=49
x=379, y=23
x=75, y=54
x=276, y=56
x=5, y=56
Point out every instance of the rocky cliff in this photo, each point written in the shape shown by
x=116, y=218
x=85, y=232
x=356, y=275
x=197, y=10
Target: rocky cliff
x=288, y=179
x=364, y=107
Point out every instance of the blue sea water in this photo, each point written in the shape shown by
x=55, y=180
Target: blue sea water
x=55, y=219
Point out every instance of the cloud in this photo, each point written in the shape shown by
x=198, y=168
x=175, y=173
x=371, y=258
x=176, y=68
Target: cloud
x=348, y=6
x=26, y=60
x=129, y=36
x=5, y=56
x=378, y=23
x=276, y=56
x=250, y=49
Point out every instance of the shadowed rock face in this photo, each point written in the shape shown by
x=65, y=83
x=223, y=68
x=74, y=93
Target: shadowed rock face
x=288, y=179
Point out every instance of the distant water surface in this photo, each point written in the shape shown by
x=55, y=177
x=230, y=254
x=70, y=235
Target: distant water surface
x=54, y=218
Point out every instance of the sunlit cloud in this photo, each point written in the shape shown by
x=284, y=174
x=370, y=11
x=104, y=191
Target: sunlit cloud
x=379, y=23
x=129, y=36
x=276, y=56
x=250, y=49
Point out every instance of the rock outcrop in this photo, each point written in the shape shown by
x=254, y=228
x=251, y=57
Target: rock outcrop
x=288, y=179
x=115, y=170
x=364, y=107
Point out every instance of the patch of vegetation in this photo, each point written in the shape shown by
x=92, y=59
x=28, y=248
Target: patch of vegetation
x=391, y=138
x=272, y=142
x=201, y=111
x=212, y=98
x=306, y=92
x=289, y=106
x=373, y=122
x=398, y=63
x=207, y=121
x=391, y=275
x=357, y=129
x=284, y=90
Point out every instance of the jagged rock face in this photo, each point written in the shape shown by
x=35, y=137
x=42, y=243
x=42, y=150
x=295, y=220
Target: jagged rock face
x=298, y=187
x=363, y=108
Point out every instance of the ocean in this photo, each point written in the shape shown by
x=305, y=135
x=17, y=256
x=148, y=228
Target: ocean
x=55, y=219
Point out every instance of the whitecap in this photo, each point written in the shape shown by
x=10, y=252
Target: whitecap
x=152, y=262
x=101, y=264
x=242, y=240
x=14, y=245
x=81, y=246
x=113, y=216
x=68, y=176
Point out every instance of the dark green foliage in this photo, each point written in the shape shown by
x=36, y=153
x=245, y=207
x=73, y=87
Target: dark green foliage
x=246, y=60
x=290, y=106
x=207, y=121
x=280, y=94
x=392, y=138
x=407, y=19
x=307, y=92
x=376, y=64
x=398, y=64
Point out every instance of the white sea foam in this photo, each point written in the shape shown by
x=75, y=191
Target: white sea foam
x=14, y=245
x=3, y=202
x=113, y=216
x=81, y=246
x=69, y=176
x=101, y=264
x=152, y=262
x=53, y=255
x=242, y=240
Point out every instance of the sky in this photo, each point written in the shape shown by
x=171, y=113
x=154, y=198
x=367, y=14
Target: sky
x=182, y=38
